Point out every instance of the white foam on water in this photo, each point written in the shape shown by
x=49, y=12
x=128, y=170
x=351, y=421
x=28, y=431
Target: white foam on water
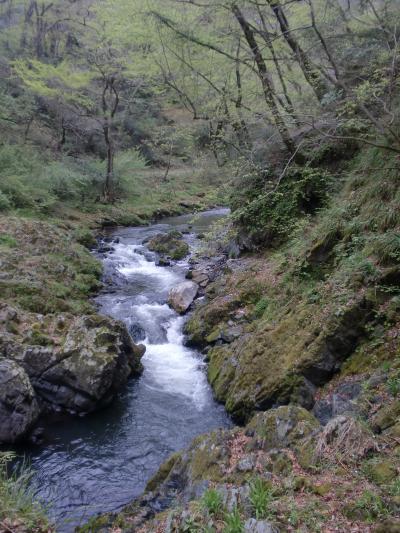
x=131, y=263
x=169, y=365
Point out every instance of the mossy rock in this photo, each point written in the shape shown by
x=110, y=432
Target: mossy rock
x=162, y=473
x=388, y=526
x=386, y=417
x=381, y=472
x=170, y=244
x=283, y=427
x=272, y=362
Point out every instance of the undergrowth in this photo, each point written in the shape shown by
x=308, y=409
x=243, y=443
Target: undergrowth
x=18, y=506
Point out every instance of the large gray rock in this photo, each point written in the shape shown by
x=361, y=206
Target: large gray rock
x=18, y=406
x=181, y=297
x=95, y=361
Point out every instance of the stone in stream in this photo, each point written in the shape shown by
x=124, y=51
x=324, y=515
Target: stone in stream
x=169, y=245
x=137, y=333
x=181, y=297
x=18, y=406
x=96, y=360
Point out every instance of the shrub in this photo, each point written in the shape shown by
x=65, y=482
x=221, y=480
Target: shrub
x=269, y=212
x=5, y=203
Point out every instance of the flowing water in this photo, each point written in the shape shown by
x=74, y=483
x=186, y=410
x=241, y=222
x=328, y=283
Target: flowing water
x=100, y=462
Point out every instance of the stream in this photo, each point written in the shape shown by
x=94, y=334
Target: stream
x=100, y=462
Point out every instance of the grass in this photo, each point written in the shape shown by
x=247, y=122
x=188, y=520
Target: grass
x=260, y=498
x=17, y=504
x=8, y=241
x=212, y=502
x=233, y=522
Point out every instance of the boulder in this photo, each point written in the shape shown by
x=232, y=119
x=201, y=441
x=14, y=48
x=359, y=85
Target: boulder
x=169, y=244
x=181, y=297
x=18, y=406
x=283, y=427
x=94, y=362
x=200, y=277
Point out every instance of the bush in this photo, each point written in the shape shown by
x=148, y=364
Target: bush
x=270, y=212
x=5, y=203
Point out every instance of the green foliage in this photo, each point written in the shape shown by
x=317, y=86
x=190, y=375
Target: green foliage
x=260, y=498
x=17, y=500
x=393, y=384
x=269, y=212
x=5, y=203
x=372, y=506
x=233, y=522
x=212, y=502
x=8, y=240
x=260, y=307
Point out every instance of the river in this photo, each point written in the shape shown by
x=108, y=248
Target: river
x=100, y=462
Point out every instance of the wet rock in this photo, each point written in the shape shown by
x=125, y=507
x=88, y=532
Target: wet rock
x=163, y=262
x=96, y=359
x=259, y=526
x=169, y=244
x=18, y=406
x=137, y=333
x=103, y=249
x=181, y=297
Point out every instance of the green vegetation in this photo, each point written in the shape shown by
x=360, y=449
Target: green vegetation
x=212, y=501
x=233, y=522
x=260, y=498
x=18, y=508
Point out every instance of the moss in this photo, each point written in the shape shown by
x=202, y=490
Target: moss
x=321, y=489
x=85, y=237
x=213, y=336
x=368, y=508
x=381, y=472
x=387, y=416
x=170, y=245
x=285, y=426
x=40, y=339
x=208, y=456
x=162, y=473
x=221, y=371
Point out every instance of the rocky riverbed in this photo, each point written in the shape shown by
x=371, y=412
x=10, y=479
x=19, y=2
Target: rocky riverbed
x=83, y=465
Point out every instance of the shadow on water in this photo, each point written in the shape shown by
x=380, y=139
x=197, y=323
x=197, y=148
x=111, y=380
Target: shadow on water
x=100, y=462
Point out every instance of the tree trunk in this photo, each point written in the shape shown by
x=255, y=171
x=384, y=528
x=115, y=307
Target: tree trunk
x=108, y=189
x=265, y=81
x=310, y=72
